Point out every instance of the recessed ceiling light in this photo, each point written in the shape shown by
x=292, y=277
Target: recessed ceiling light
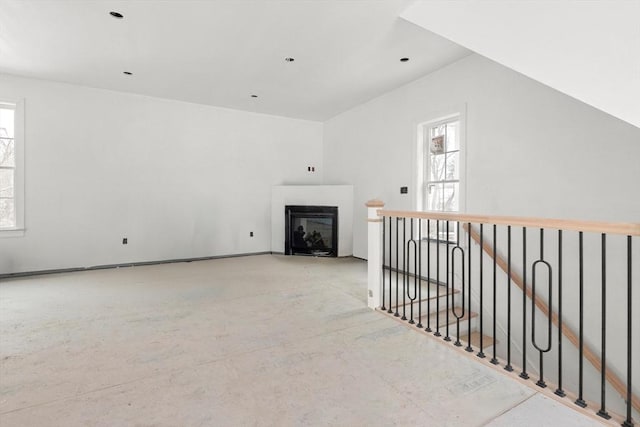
x=404, y=59
x=254, y=96
x=128, y=73
x=289, y=59
x=116, y=15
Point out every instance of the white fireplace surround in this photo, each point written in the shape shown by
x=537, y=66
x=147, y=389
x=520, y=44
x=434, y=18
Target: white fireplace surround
x=313, y=195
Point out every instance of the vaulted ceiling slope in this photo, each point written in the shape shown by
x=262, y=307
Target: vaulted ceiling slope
x=587, y=49
x=222, y=52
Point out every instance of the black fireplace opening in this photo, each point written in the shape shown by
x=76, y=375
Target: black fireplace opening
x=311, y=230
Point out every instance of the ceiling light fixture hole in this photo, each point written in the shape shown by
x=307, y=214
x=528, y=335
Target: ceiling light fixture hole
x=289, y=59
x=404, y=59
x=254, y=96
x=128, y=73
x=117, y=15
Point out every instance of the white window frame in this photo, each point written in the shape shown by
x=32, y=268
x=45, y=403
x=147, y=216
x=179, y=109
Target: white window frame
x=19, y=187
x=421, y=171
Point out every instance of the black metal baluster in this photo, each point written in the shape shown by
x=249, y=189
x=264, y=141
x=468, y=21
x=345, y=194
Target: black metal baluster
x=580, y=401
x=428, y=328
x=383, y=260
x=396, y=314
x=469, y=348
x=534, y=341
x=453, y=269
x=481, y=310
x=415, y=272
x=494, y=359
x=559, y=391
x=628, y=422
x=508, y=367
x=390, y=269
x=524, y=374
x=419, y=325
x=437, y=333
x=447, y=337
x=404, y=273
x=603, y=364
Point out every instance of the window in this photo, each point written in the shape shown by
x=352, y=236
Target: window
x=441, y=170
x=442, y=180
x=11, y=166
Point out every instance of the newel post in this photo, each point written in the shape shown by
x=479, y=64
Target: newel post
x=374, y=258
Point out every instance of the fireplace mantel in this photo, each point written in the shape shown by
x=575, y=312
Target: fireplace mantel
x=321, y=195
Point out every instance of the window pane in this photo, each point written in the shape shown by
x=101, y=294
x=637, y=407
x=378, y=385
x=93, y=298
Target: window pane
x=442, y=159
x=453, y=161
x=7, y=152
x=437, y=167
x=6, y=122
x=451, y=197
x=434, y=197
x=6, y=182
x=437, y=131
x=453, y=137
x=7, y=213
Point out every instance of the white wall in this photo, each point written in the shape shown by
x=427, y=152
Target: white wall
x=586, y=49
x=179, y=180
x=531, y=151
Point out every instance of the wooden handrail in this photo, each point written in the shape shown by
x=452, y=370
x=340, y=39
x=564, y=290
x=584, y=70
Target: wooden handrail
x=627, y=229
x=570, y=334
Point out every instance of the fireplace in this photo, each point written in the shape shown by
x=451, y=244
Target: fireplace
x=311, y=230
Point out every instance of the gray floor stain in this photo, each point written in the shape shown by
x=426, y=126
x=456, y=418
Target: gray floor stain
x=471, y=384
x=383, y=333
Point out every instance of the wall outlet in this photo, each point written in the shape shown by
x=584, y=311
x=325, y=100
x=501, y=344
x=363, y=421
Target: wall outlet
x=404, y=190
x=124, y=241
x=251, y=234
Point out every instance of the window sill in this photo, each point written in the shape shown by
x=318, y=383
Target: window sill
x=12, y=232
x=441, y=241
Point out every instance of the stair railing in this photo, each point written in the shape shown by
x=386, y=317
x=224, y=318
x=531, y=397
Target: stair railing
x=429, y=269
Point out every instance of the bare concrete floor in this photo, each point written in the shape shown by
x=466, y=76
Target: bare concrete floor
x=264, y=340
